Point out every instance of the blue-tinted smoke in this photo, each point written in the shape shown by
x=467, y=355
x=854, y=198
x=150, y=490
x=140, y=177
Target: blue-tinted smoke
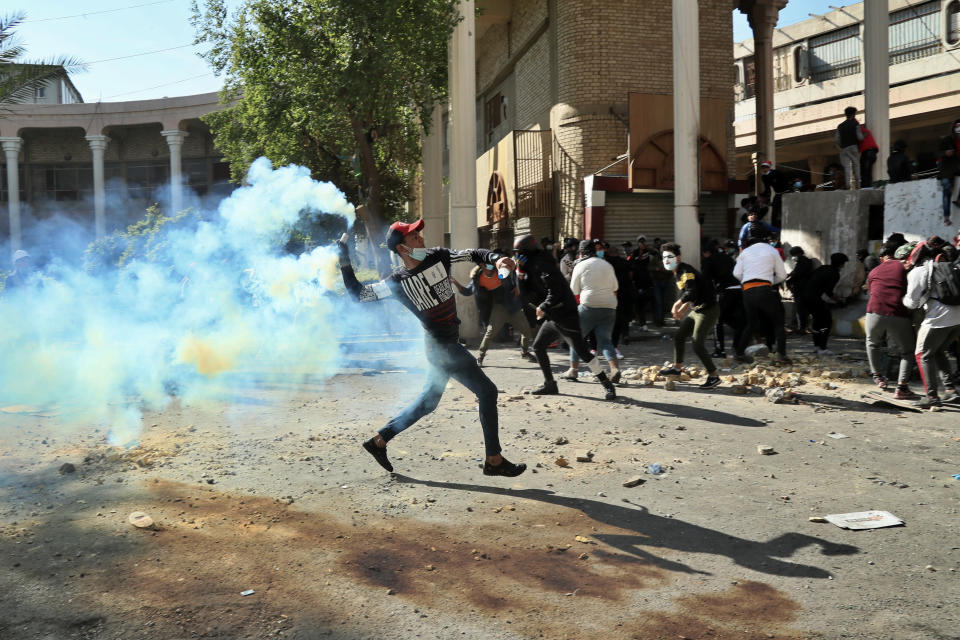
x=217, y=303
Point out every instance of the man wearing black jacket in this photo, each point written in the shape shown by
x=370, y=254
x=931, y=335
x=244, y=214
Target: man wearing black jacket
x=717, y=267
x=821, y=283
x=423, y=286
x=796, y=281
x=545, y=286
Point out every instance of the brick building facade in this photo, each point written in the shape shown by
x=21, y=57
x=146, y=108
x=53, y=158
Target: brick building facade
x=568, y=68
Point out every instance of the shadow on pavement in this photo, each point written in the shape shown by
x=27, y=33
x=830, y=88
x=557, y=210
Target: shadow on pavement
x=669, y=533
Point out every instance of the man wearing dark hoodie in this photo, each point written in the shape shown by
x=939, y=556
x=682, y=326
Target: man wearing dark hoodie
x=949, y=167
x=821, y=283
x=546, y=287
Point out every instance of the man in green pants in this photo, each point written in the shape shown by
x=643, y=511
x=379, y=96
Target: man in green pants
x=698, y=297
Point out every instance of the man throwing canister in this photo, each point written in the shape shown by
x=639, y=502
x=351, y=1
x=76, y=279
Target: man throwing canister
x=558, y=308
x=423, y=286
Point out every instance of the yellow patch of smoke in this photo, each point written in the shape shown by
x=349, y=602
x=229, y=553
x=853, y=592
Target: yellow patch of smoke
x=215, y=354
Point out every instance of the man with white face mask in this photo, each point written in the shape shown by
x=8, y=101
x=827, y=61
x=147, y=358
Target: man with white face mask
x=698, y=297
x=423, y=286
x=759, y=269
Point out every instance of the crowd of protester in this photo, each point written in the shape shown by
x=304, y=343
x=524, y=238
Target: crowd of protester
x=590, y=295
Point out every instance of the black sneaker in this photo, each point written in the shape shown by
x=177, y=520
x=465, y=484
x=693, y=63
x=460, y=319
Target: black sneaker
x=717, y=353
x=505, y=468
x=743, y=359
x=611, y=392
x=526, y=355
x=950, y=395
x=549, y=388
x=480, y=360
x=379, y=454
x=672, y=371
x=615, y=378
x=712, y=381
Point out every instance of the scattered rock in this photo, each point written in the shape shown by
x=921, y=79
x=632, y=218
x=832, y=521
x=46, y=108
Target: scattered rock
x=585, y=456
x=561, y=462
x=634, y=481
x=817, y=519
x=140, y=520
x=739, y=389
x=583, y=540
x=66, y=468
x=670, y=385
x=765, y=450
x=561, y=440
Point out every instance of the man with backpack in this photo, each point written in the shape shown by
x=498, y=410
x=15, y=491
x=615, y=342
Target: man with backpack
x=934, y=284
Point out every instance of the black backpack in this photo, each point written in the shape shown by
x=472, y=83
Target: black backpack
x=945, y=282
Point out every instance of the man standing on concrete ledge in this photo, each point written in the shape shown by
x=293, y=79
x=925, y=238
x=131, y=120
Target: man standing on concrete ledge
x=423, y=286
x=848, y=138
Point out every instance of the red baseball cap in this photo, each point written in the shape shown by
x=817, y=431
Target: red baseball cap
x=399, y=229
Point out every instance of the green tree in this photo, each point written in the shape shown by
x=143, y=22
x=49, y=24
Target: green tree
x=340, y=86
x=19, y=78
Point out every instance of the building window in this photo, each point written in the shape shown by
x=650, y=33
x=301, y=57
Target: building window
x=835, y=54
x=41, y=93
x=750, y=78
x=781, y=69
x=493, y=115
x=952, y=14
x=801, y=69
x=60, y=183
x=915, y=32
x=144, y=177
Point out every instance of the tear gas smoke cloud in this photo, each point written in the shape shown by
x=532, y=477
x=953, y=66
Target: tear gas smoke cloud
x=218, y=307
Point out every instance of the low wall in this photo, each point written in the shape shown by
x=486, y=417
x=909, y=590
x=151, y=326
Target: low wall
x=915, y=209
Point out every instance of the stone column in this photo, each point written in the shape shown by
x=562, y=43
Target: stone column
x=876, y=62
x=175, y=142
x=763, y=18
x=432, y=196
x=11, y=149
x=686, y=128
x=463, y=134
x=98, y=144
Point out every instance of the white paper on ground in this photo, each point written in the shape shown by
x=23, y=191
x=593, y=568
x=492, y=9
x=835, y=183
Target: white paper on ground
x=837, y=436
x=864, y=520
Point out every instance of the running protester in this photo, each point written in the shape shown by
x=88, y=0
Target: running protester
x=699, y=298
x=423, y=286
x=557, y=307
x=889, y=321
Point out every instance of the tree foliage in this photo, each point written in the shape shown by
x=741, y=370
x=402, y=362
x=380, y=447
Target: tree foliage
x=339, y=86
x=20, y=78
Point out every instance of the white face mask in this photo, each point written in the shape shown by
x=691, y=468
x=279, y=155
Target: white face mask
x=417, y=254
x=670, y=262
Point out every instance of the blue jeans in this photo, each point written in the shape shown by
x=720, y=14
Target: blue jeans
x=946, y=184
x=451, y=360
x=600, y=321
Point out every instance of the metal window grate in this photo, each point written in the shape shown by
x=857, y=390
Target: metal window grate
x=835, y=54
x=532, y=173
x=915, y=32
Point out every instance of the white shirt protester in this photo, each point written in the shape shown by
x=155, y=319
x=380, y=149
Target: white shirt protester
x=595, y=281
x=760, y=261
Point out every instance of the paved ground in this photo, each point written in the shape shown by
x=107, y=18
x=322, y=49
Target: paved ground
x=271, y=492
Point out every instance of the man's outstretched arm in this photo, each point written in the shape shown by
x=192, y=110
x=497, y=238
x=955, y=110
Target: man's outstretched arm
x=360, y=292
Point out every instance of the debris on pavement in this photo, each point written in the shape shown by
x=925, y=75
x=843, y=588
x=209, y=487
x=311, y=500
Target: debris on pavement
x=248, y=592
x=634, y=481
x=780, y=395
x=765, y=450
x=864, y=520
x=140, y=520
x=655, y=469
x=817, y=519
x=66, y=468
x=837, y=436
x=562, y=462
x=584, y=456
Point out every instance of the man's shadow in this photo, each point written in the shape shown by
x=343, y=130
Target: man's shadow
x=670, y=533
